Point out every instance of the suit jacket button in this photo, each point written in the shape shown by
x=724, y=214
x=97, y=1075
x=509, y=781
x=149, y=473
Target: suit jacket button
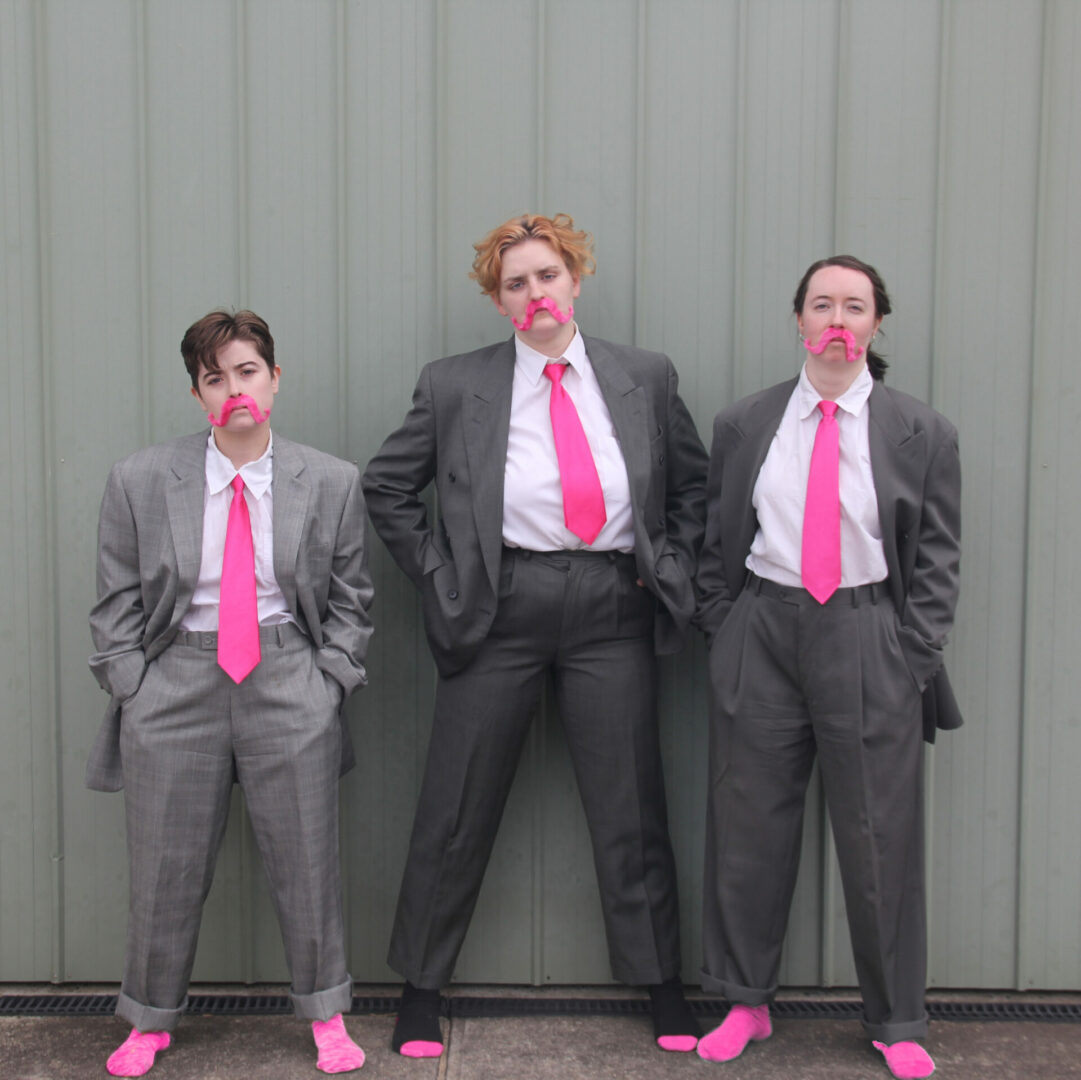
x=451, y=477
x=660, y=459
x=452, y=594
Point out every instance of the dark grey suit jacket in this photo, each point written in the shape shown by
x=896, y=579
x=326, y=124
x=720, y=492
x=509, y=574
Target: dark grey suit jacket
x=456, y=435
x=917, y=474
x=150, y=537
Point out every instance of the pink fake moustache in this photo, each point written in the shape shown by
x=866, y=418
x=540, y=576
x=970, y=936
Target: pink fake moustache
x=547, y=305
x=243, y=401
x=852, y=352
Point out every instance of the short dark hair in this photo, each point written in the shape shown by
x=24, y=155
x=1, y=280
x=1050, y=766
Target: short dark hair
x=205, y=339
x=875, y=363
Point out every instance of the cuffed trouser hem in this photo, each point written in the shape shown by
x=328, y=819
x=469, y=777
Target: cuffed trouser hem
x=146, y=1018
x=324, y=1004
x=736, y=994
x=890, y=1033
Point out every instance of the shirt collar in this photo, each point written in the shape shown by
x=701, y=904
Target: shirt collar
x=852, y=400
x=532, y=362
x=257, y=475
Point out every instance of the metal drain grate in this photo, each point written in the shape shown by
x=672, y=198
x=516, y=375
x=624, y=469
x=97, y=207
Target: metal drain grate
x=489, y=1007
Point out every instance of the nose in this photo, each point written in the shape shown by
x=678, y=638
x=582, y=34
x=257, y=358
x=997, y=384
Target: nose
x=838, y=316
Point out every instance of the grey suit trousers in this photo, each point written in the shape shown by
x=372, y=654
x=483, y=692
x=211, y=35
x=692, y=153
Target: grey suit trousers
x=186, y=734
x=792, y=679
x=582, y=617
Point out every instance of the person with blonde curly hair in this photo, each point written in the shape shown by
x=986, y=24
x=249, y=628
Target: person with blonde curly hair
x=570, y=483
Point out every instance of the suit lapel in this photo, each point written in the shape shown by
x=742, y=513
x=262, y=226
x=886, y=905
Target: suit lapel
x=896, y=465
x=184, y=497
x=626, y=403
x=292, y=495
x=753, y=432
x=486, y=401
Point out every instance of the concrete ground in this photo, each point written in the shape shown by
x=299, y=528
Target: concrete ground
x=589, y=1047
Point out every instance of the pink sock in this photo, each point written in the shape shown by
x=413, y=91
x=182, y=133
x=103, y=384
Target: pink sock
x=743, y=1024
x=135, y=1055
x=337, y=1052
x=678, y=1044
x=906, y=1060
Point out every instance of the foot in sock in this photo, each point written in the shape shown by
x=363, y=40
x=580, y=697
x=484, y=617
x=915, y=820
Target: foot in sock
x=674, y=1025
x=743, y=1024
x=417, y=1033
x=337, y=1052
x=906, y=1060
x=135, y=1055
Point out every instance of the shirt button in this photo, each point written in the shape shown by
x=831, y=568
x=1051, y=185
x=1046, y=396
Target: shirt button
x=452, y=594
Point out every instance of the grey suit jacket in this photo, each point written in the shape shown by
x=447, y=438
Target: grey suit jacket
x=456, y=435
x=917, y=474
x=150, y=536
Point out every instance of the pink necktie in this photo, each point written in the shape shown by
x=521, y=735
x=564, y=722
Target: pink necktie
x=238, y=611
x=821, y=569
x=583, y=499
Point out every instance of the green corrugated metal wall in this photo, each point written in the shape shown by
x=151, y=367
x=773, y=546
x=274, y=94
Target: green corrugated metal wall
x=329, y=163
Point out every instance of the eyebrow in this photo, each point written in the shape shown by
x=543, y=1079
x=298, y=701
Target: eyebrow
x=827, y=296
x=220, y=369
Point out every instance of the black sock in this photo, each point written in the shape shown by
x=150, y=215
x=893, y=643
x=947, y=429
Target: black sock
x=418, y=1017
x=671, y=1013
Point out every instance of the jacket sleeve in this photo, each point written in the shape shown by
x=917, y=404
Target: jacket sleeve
x=117, y=620
x=401, y=469
x=714, y=595
x=346, y=625
x=931, y=597
x=685, y=484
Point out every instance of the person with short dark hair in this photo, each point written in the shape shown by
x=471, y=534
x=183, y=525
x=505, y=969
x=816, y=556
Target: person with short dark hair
x=231, y=624
x=827, y=583
x=570, y=482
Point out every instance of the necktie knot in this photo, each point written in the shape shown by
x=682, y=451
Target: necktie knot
x=828, y=408
x=555, y=371
x=237, y=484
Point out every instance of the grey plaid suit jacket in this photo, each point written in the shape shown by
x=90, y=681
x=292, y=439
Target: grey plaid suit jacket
x=150, y=547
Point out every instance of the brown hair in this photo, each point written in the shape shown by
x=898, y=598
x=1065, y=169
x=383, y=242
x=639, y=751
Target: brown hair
x=207, y=337
x=875, y=363
x=573, y=246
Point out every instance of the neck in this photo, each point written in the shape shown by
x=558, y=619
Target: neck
x=243, y=447
x=553, y=347
x=831, y=380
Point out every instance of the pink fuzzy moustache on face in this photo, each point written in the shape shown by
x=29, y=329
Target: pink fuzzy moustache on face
x=547, y=305
x=832, y=333
x=243, y=401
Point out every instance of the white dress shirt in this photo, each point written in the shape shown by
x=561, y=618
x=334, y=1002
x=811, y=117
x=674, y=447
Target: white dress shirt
x=532, y=493
x=257, y=475
x=781, y=490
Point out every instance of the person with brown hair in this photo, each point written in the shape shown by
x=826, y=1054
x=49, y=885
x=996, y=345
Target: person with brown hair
x=570, y=483
x=827, y=584
x=231, y=624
